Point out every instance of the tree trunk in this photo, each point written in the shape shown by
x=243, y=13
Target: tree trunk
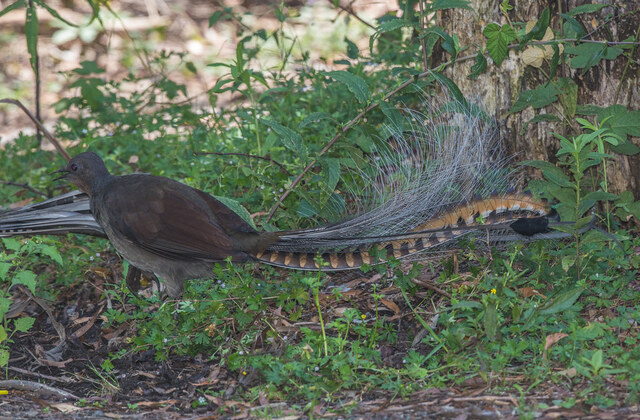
x=497, y=89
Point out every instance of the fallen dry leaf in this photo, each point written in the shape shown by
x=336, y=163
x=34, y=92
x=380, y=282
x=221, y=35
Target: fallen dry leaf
x=551, y=340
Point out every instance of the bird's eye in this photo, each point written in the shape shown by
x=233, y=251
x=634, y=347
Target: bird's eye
x=74, y=167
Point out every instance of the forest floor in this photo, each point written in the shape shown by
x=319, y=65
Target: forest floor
x=139, y=386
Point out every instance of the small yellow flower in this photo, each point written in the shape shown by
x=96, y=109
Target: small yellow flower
x=244, y=373
x=493, y=291
x=363, y=316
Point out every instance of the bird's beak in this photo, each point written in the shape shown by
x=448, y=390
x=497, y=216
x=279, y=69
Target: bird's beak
x=62, y=171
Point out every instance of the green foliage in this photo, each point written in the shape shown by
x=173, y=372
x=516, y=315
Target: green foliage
x=501, y=310
x=18, y=261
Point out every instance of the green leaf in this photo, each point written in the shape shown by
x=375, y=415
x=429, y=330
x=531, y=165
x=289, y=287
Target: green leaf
x=4, y=269
x=352, y=49
x=490, y=322
x=572, y=28
x=393, y=115
x=4, y=357
x=27, y=278
x=448, y=44
x=23, y=324
x=587, y=8
x=305, y=209
x=88, y=67
x=388, y=26
x=237, y=209
x=540, y=28
x=331, y=172
x=5, y=304
x=568, y=95
x=289, y=138
x=498, y=38
x=479, y=66
x=450, y=4
x=12, y=244
x=314, y=117
x=50, y=251
x=31, y=32
x=54, y=13
x=13, y=6
x=589, y=54
x=354, y=83
x=453, y=89
x=537, y=98
x=562, y=301
x=3, y=334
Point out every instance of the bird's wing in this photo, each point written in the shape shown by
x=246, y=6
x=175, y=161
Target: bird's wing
x=166, y=218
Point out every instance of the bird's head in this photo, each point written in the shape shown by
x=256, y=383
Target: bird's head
x=84, y=171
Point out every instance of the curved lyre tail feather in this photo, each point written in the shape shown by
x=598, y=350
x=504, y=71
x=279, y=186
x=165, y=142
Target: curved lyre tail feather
x=490, y=220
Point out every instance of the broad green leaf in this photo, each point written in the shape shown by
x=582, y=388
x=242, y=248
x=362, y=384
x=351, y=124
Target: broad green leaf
x=544, y=117
x=540, y=28
x=600, y=196
x=537, y=98
x=568, y=95
x=289, y=138
x=589, y=54
x=88, y=67
x=5, y=304
x=305, y=209
x=393, y=115
x=3, y=334
x=331, y=172
x=27, y=278
x=587, y=8
x=448, y=44
x=453, y=89
x=498, y=38
x=479, y=66
x=4, y=269
x=573, y=28
x=314, y=117
x=352, y=49
x=490, y=322
x=562, y=301
x=237, y=209
x=13, y=6
x=566, y=196
x=449, y=4
x=23, y=324
x=50, y=251
x=12, y=244
x=4, y=357
x=355, y=84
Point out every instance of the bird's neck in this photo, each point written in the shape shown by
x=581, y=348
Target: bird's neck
x=98, y=184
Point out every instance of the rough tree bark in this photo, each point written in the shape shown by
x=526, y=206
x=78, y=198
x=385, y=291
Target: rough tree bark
x=499, y=88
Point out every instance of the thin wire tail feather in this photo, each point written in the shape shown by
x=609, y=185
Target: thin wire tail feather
x=438, y=178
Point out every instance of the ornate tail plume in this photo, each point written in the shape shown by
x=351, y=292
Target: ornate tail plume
x=436, y=179
x=429, y=189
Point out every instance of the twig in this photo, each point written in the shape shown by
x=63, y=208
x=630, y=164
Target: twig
x=36, y=387
x=26, y=186
x=48, y=135
x=430, y=286
x=352, y=13
x=42, y=375
x=423, y=43
x=282, y=168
